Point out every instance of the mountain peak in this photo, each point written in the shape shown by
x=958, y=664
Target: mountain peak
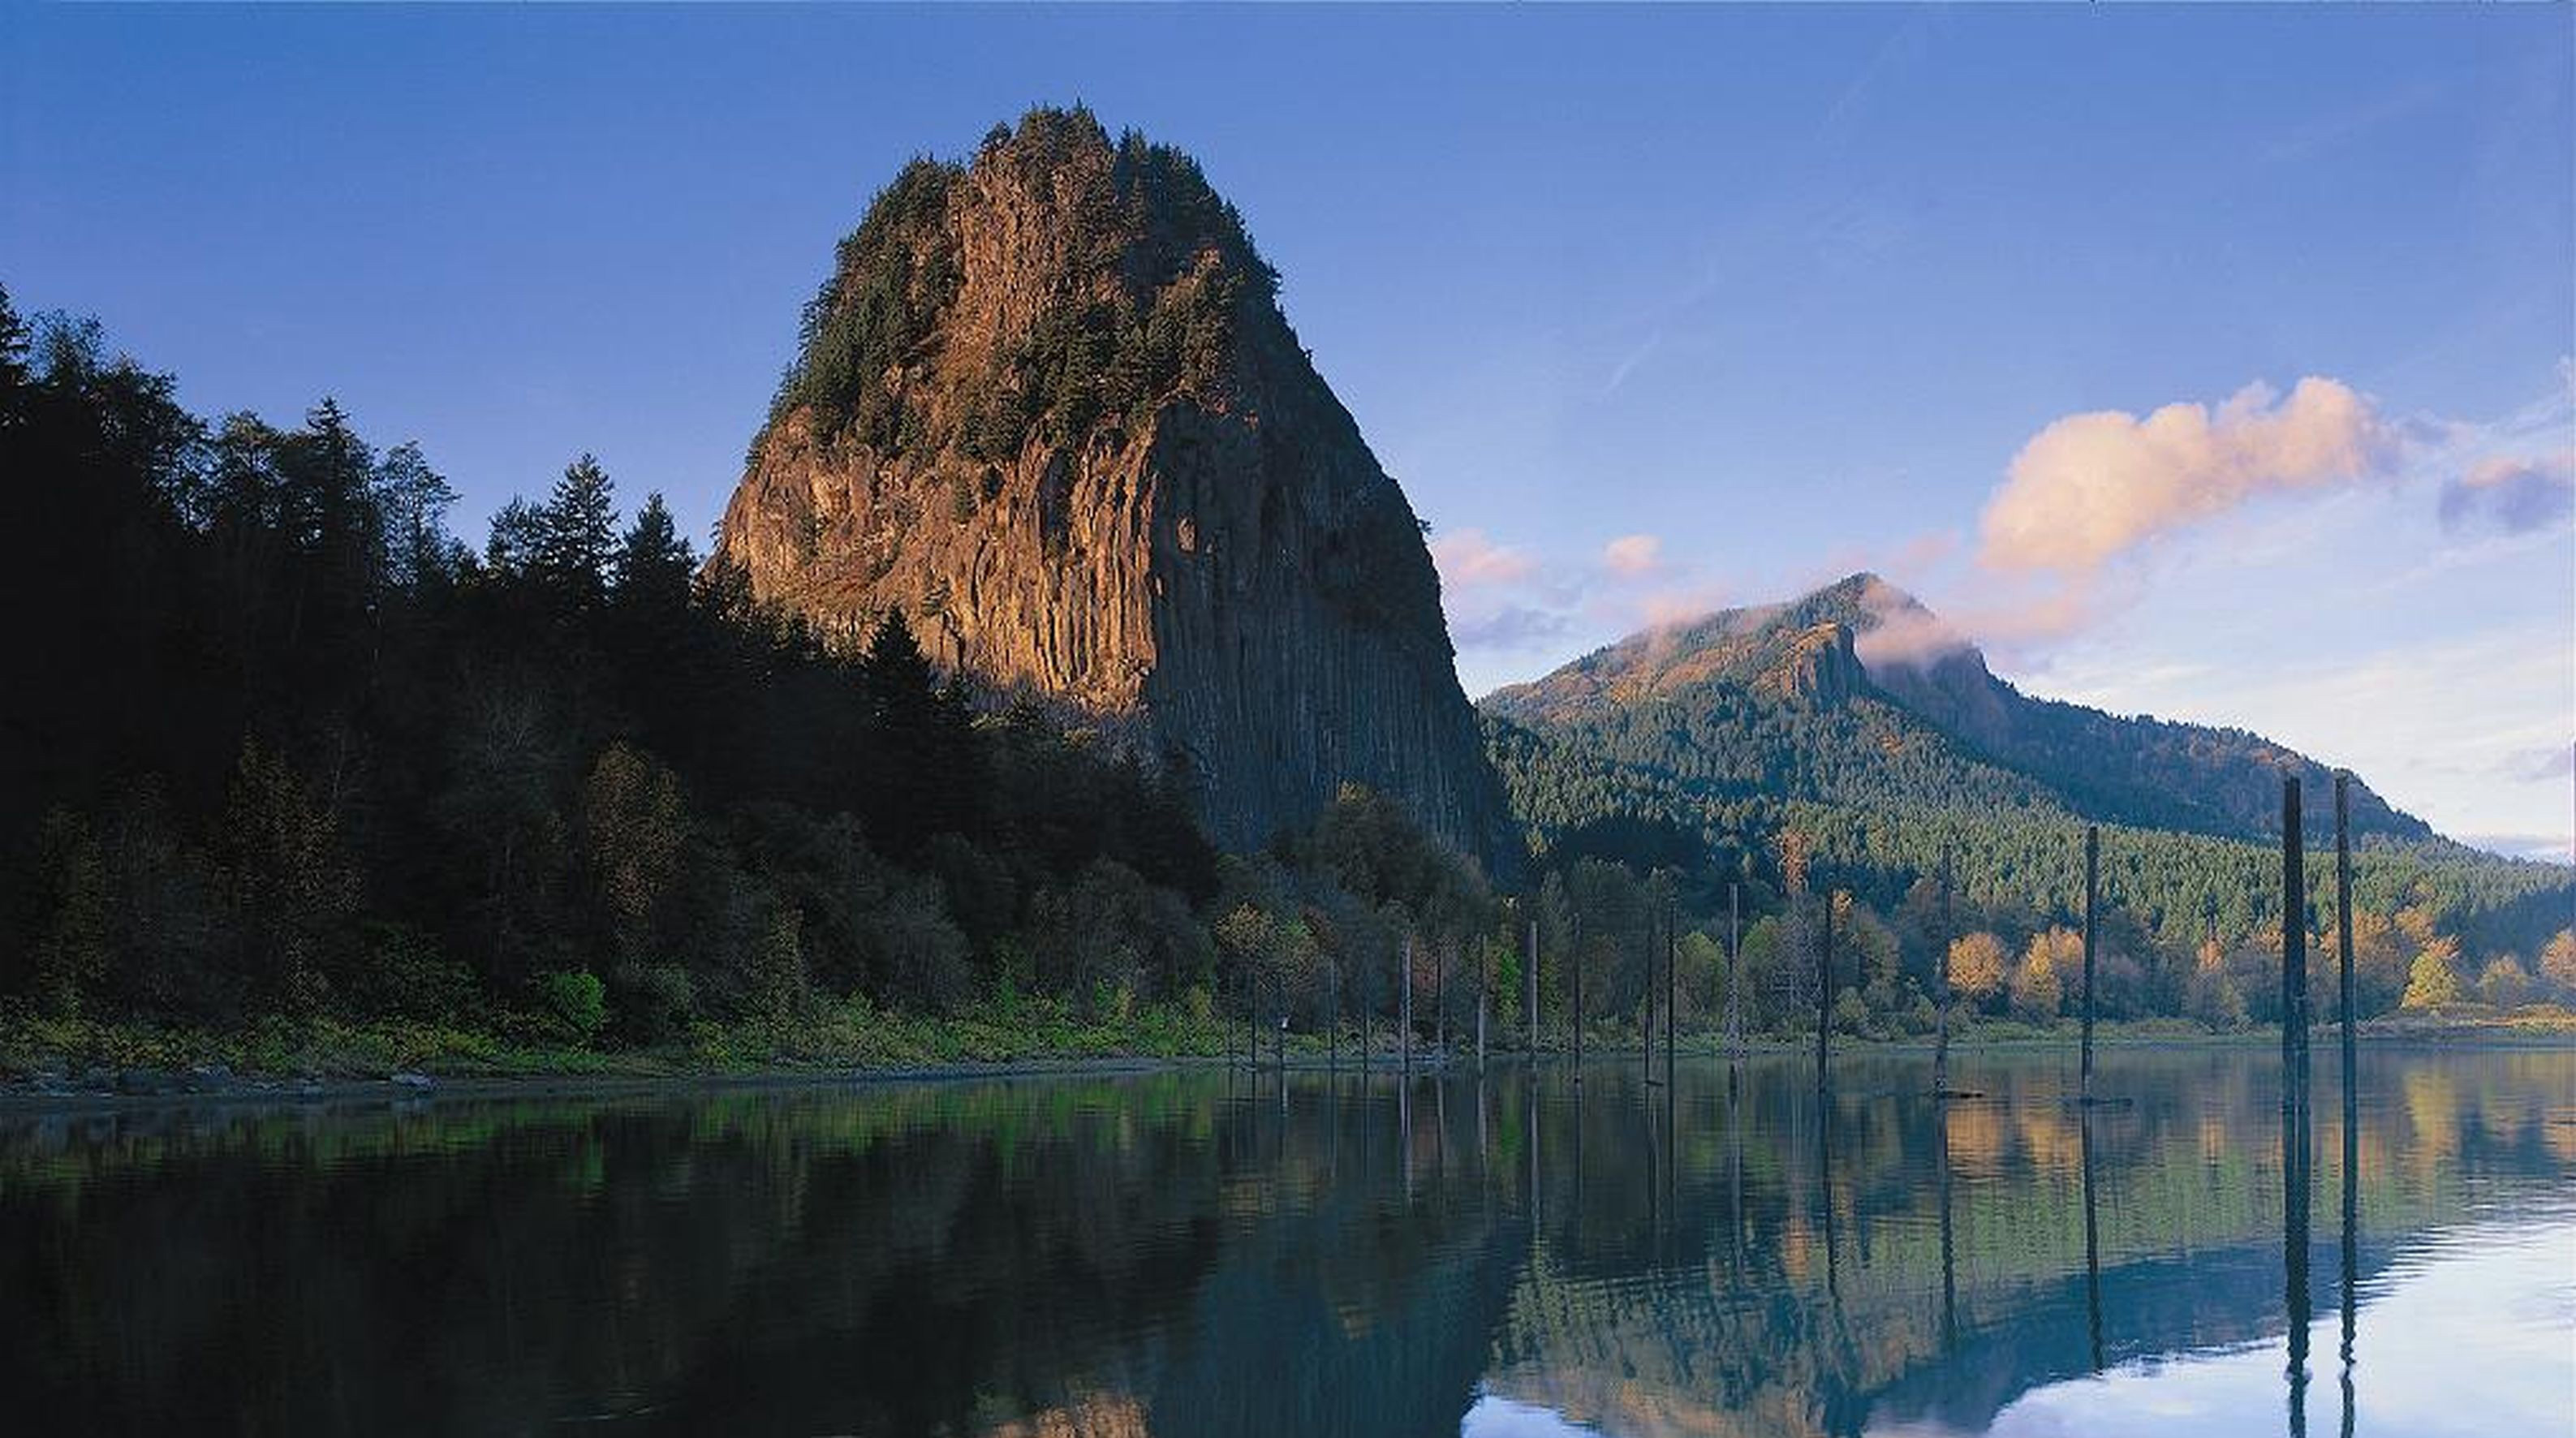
x=1873, y=666
x=1045, y=402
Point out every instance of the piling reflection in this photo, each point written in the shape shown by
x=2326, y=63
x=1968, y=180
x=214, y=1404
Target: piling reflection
x=1949, y=1251
x=1151, y=1255
x=2092, y=1239
x=2351, y=1205
x=2296, y=1199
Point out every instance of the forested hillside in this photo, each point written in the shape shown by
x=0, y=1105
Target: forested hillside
x=290, y=752
x=283, y=748
x=1715, y=749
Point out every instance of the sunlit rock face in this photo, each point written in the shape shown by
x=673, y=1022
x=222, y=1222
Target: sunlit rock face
x=1048, y=405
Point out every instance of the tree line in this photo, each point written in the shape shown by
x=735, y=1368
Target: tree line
x=287, y=746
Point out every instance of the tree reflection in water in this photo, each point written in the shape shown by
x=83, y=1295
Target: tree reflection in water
x=1151, y=1254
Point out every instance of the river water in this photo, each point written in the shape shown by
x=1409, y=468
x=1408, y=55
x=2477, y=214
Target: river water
x=1211, y=1253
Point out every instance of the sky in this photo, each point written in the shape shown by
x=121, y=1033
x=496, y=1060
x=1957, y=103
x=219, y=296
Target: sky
x=2210, y=362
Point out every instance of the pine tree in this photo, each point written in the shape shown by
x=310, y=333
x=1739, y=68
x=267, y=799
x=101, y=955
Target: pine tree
x=15, y=377
x=924, y=753
x=654, y=563
x=576, y=534
x=413, y=498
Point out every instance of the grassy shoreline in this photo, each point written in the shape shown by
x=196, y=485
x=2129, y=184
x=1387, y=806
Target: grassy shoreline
x=69, y=1059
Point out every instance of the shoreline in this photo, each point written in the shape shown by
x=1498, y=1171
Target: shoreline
x=101, y=1090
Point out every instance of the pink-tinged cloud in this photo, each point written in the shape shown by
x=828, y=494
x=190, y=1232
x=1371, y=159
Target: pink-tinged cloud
x=2092, y=486
x=1908, y=637
x=1631, y=555
x=1467, y=559
x=1683, y=604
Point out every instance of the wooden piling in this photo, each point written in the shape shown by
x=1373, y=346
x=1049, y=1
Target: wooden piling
x=1672, y=985
x=2294, y=929
x=1825, y=988
x=1941, y=1044
x=2343, y=928
x=1576, y=963
x=1440, y=1001
x=1646, y=1000
x=2092, y=874
x=1529, y=985
x=2351, y=1095
x=1734, y=973
x=1484, y=957
x=1405, y=1038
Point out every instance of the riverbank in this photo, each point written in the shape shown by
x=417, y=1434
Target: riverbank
x=51, y=1062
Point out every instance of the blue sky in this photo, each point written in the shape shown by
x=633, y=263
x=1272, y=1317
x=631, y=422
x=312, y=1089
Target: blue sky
x=1649, y=309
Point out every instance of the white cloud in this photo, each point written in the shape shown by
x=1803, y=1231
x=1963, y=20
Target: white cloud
x=1908, y=637
x=1468, y=559
x=1633, y=554
x=2090, y=487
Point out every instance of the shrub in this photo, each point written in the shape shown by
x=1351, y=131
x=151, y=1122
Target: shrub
x=575, y=1001
x=405, y=975
x=655, y=1003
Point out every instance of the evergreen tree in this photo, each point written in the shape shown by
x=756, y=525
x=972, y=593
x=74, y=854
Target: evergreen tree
x=15, y=377
x=654, y=563
x=413, y=499
x=514, y=540
x=923, y=768
x=576, y=535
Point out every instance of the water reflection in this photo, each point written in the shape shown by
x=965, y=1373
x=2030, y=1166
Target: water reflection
x=2092, y=1236
x=1733, y=1252
x=2296, y=1200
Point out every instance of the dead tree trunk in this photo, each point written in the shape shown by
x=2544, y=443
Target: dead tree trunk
x=2294, y=926
x=1405, y=1038
x=1734, y=973
x=1825, y=988
x=1941, y=1044
x=2092, y=877
x=1529, y=984
x=2343, y=930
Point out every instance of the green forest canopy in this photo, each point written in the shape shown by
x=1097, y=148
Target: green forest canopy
x=292, y=748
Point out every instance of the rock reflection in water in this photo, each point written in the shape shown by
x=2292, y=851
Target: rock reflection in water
x=1191, y=1254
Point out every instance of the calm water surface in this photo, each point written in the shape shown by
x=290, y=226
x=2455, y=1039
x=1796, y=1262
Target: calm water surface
x=1196, y=1254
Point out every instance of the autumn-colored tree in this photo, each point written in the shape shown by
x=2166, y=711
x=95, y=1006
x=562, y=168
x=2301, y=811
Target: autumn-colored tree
x=2379, y=958
x=2505, y=983
x=1977, y=962
x=2435, y=978
x=1794, y=850
x=2558, y=960
x=2038, y=985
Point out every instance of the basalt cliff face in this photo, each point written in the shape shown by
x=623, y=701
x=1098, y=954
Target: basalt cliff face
x=1047, y=404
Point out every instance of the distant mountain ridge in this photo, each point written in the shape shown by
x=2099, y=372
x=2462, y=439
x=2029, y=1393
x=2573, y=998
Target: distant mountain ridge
x=1879, y=701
